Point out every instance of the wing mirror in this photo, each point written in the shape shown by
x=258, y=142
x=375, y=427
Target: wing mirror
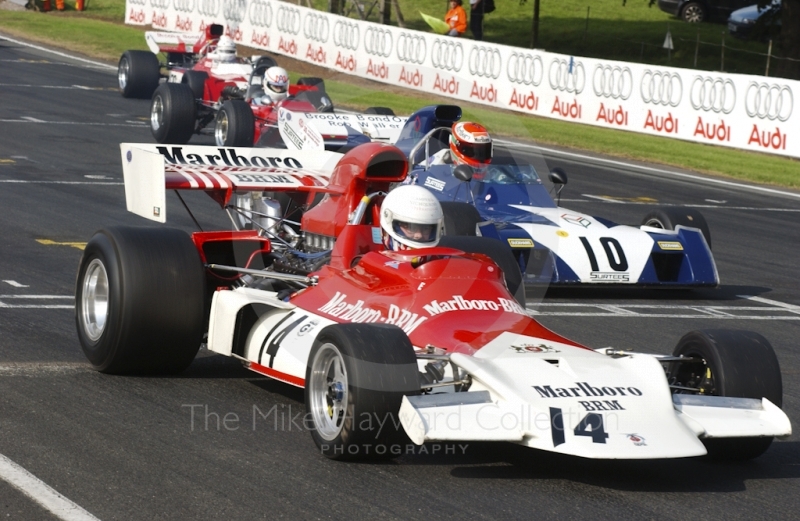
x=463, y=173
x=559, y=179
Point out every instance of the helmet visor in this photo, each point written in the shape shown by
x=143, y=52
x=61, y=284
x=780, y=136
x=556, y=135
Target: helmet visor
x=414, y=231
x=280, y=88
x=480, y=152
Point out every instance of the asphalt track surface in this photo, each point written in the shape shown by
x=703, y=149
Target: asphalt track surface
x=158, y=448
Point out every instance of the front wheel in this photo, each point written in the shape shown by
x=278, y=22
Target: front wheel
x=235, y=125
x=356, y=378
x=669, y=217
x=138, y=73
x=172, y=113
x=140, y=300
x=740, y=364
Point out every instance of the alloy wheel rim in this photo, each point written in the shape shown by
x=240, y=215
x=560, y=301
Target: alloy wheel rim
x=94, y=300
x=328, y=392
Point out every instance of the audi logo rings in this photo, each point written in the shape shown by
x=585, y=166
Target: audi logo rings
x=769, y=101
x=612, y=81
x=288, y=20
x=317, y=27
x=234, y=10
x=713, y=94
x=346, y=35
x=411, y=48
x=378, y=42
x=261, y=13
x=206, y=7
x=485, y=62
x=447, y=55
x=142, y=2
x=182, y=6
x=159, y=4
x=525, y=69
x=567, y=76
x=661, y=88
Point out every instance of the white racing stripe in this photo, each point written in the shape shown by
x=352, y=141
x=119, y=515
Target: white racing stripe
x=62, y=54
x=609, y=199
x=41, y=492
x=84, y=123
x=29, y=181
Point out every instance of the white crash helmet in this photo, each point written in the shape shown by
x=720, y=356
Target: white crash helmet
x=226, y=50
x=411, y=217
x=276, y=83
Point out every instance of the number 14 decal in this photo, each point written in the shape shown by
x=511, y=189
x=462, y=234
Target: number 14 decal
x=614, y=253
x=591, y=426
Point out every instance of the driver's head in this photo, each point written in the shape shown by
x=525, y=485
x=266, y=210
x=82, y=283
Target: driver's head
x=470, y=144
x=276, y=83
x=411, y=217
x=226, y=50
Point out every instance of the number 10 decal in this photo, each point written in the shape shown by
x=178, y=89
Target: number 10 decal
x=591, y=426
x=613, y=249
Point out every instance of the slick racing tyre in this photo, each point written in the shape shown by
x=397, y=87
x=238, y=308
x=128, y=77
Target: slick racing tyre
x=140, y=301
x=381, y=111
x=138, y=73
x=196, y=80
x=234, y=125
x=669, y=217
x=499, y=253
x=356, y=378
x=172, y=113
x=740, y=364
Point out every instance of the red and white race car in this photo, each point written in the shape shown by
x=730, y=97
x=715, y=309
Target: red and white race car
x=207, y=90
x=432, y=344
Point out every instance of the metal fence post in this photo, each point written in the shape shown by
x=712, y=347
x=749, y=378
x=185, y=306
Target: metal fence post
x=722, y=60
x=696, y=48
x=769, y=55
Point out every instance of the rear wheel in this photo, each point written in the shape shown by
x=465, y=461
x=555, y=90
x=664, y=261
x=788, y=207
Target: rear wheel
x=693, y=12
x=382, y=111
x=235, y=125
x=740, y=364
x=172, y=113
x=669, y=217
x=140, y=300
x=138, y=74
x=356, y=378
x=196, y=80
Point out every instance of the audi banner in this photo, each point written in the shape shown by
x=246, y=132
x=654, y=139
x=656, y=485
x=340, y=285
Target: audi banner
x=734, y=110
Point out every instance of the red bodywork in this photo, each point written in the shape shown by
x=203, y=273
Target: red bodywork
x=440, y=296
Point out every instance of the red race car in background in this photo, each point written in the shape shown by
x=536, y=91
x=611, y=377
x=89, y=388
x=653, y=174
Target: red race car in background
x=210, y=89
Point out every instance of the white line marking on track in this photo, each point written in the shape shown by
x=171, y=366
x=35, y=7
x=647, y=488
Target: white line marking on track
x=775, y=311
x=33, y=120
x=650, y=169
x=6, y=305
x=15, y=284
x=84, y=123
x=62, y=54
x=41, y=492
x=612, y=200
x=27, y=181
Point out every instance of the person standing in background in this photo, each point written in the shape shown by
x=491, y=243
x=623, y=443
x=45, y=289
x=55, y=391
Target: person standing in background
x=476, y=19
x=456, y=18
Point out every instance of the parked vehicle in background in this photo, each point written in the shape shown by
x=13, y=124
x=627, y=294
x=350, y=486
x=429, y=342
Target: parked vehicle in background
x=695, y=11
x=752, y=23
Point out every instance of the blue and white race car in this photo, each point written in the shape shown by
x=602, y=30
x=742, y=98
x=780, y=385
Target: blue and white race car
x=554, y=245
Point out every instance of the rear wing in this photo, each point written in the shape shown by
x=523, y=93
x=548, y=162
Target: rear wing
x=377, y=127
x=163, y=41
x=150, y=170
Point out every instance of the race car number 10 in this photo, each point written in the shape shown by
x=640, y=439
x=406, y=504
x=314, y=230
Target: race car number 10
x=611, y=246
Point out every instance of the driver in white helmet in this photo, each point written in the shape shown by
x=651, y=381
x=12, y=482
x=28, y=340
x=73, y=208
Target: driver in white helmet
x=411, y=217
x=225, y=51
x=276, y=86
